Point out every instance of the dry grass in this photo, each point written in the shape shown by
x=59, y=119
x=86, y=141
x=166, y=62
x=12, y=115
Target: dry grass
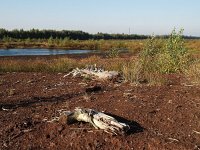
x=104, y=45
x=107, y=63
x=132, y=69
x=193, y=46
x=193, y=73
x=59, y=64
x=38, y=65
x=133, y=72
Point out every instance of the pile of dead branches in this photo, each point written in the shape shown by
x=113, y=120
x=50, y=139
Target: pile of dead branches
x=94, y=72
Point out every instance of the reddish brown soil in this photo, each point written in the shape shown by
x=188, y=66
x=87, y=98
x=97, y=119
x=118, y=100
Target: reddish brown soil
x=161, y=117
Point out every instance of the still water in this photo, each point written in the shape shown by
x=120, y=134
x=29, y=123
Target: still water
x=21, y=52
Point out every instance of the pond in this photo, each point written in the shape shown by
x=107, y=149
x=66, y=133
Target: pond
x=23, y=52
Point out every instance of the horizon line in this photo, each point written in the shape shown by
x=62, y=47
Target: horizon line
x=40, y=29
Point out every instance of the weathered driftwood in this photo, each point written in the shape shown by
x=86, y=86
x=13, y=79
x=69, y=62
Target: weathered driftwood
x=98, y=119
x=93, y=71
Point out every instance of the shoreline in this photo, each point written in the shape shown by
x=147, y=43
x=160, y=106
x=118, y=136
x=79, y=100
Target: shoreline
x=74, y=56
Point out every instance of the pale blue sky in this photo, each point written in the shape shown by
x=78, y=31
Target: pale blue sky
x=111, y=16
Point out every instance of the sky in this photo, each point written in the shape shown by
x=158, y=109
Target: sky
x=107, y=16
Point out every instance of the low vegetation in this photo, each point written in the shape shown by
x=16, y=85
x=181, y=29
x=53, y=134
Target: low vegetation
x=65, y=39
x=40, y=65
x=193, y=73
x=158, y=57
x=133, y=46
x=57, y=64
x=150, y=59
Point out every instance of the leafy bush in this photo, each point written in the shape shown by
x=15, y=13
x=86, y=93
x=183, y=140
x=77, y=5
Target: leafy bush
x=174, y=57
x=159, y=56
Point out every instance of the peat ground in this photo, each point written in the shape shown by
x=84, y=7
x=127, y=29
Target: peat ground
x=161, y=117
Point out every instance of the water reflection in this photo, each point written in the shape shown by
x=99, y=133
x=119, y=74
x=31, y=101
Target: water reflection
x=21, y=52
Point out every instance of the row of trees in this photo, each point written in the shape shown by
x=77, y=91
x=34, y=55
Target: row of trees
x=74, y=35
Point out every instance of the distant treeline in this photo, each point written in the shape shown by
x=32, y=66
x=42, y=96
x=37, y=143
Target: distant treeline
x=74, y=35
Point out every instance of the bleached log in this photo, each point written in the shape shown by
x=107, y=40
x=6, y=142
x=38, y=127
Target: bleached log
x=98, y=119
x=93, y=71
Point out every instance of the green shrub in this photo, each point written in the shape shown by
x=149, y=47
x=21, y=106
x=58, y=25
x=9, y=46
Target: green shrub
x=159, y=56
x=174, y=57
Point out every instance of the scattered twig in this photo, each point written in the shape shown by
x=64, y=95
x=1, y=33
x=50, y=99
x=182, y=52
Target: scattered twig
x=21, y=133
x=196, y=132
x=55, y=119
x=172, y=139
x=4, y=109
x=81, y=128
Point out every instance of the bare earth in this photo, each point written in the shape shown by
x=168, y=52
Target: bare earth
x=160, y=117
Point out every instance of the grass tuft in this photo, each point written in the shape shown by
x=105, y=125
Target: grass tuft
x=193, y=73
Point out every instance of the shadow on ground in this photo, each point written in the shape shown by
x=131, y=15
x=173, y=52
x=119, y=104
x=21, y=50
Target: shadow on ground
x=36, y=100
x=134, y=126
